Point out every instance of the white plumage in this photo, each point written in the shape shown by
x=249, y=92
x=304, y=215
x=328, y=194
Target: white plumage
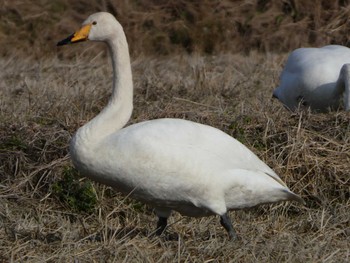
x=171, y=164
x=317, y=78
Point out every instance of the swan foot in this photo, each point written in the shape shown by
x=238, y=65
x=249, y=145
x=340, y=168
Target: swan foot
x=161, y=225
x=226, y=223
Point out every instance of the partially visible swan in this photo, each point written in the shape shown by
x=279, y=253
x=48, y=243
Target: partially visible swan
x=171, y=164
x=317, y=78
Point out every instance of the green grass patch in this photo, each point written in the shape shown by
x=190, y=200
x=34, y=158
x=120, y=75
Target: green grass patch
x=78, y=195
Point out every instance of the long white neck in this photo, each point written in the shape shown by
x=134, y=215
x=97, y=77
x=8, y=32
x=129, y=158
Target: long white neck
x=118, y=111
x=343, y=85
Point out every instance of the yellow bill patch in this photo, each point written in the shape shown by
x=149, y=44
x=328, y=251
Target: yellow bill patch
x=81, y=34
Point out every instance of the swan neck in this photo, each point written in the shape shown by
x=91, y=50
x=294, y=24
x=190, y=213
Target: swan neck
x=119, y=108
x=343, y=85
x=122, y=76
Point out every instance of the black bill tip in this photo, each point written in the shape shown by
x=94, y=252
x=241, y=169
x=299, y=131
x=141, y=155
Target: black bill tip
x=65, y=41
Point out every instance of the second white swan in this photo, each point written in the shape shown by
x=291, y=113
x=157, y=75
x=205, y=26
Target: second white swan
x=171, y=164
x=316, y=78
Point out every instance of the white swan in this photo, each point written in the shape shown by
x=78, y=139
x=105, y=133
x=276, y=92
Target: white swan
x=317, y=78
x=171, y=164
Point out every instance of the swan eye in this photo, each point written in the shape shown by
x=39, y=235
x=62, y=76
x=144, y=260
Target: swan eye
x=94, y=23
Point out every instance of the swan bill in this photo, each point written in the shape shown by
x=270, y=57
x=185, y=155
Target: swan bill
x=79, y=36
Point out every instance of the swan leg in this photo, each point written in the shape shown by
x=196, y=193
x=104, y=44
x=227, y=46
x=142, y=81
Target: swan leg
x=161, y=225
x=163, y=214
x=226, y=223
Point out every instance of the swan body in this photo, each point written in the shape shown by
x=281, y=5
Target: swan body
x=171, y=164
x=317, y=78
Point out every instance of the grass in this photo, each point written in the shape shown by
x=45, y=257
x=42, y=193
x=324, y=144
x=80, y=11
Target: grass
x=44, y=103
x=79, y=197
x=185, y=65
x=166, y=27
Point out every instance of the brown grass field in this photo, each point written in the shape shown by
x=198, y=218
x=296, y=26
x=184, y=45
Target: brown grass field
x=48, y=213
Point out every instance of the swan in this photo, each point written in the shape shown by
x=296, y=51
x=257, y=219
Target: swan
x=316, y=78
x=170, y=164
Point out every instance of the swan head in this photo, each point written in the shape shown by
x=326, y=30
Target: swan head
x=100, y=26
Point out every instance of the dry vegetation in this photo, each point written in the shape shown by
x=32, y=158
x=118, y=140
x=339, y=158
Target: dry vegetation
x=47, y=95
x=165, y=27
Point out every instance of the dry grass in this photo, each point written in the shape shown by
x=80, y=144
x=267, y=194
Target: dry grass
x=45, y=97
x=43, y=103
x=168, y=27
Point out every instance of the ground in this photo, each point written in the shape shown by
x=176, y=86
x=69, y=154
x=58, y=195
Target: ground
x=44, y=103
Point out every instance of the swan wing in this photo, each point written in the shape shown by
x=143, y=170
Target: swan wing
x=172, y=158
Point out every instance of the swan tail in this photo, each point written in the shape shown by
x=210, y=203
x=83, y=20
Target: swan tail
x=290, y=195
x=294, y=197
